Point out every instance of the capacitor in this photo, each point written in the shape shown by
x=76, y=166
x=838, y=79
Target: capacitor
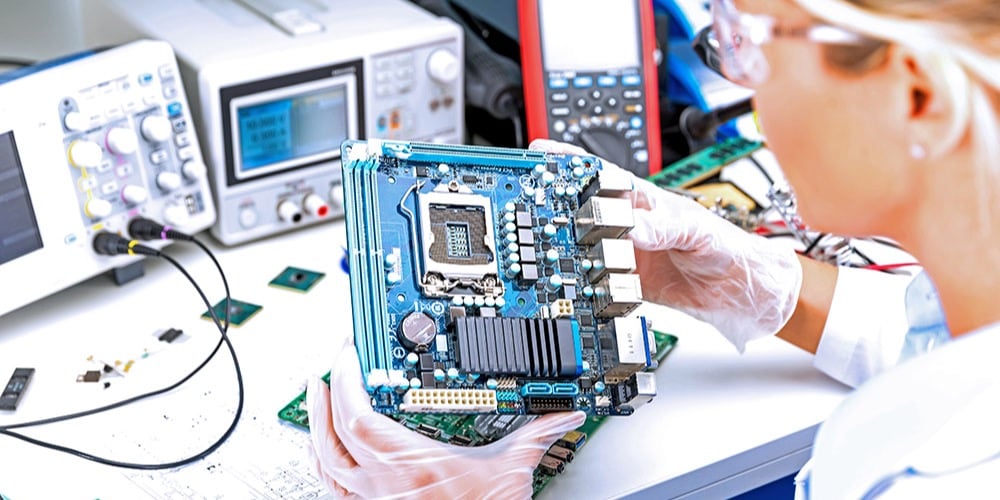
x=393, y=278
x=492, y=383
x=513, y=248
x=577, y=172
x=510, y=207
x=417, y=329
x=598, y=387
x=490, y=301
x=539, y=170
x=480, y=301
x=512, y=270
x=415, y=383
x=548, y=231
x=453, y=373
x=390, y=260
x=468, y=300
x=439, y=375
x=510, y=227
x=585, y=366
x=576, y=161
x=586, y=265
x=513, y=259
x=548, y=178
x=552, y=256
x=456, y=300
x=501, y=302
x=571, y=191
x=411, y=359
x=588, y=291
x=554, y=283
x=509, y=217
x=511, y=238
x=560, y=191
x=444, y=168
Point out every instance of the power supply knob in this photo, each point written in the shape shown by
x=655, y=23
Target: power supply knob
x=134, y=195
x=443, y=66
x=122, y=141
x=168, y=181
x=97, y=208
x=289, y=212
x=156, y=128
x=193, y=170
x=175, y=214
x=315, y=206
x=85, y=154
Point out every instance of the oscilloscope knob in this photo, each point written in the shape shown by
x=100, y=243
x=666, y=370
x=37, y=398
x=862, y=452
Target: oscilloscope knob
x=175, y=214
x=75, y=121
x=85, y=154
x=156, y=128
x=337, y=197
x=193, y=170
x=168, y=181
x=134, y=195
x=97, y=208
x=443, y=66
x=122, y=141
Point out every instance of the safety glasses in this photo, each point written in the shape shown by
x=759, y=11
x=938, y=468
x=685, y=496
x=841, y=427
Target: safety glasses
x=738, y=38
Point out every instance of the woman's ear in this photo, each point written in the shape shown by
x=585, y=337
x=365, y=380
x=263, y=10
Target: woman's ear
x=939, y=101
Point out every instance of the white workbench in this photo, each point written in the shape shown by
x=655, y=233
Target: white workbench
x=721, y=424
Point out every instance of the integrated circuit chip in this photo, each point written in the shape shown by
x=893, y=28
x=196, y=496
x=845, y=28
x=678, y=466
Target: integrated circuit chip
x=239, y=312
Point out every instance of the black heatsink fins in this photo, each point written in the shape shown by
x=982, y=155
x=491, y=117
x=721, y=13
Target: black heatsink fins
x=548, y=348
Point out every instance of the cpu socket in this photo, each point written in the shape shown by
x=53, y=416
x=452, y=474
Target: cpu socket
x=458, y=243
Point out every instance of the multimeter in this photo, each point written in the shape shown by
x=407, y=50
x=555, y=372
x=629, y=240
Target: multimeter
x=589, y=76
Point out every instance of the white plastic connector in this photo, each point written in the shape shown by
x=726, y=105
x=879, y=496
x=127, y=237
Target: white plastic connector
x=449, y=401
x=561, y=308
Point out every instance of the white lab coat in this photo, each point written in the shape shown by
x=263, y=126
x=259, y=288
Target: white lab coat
x=938, y=413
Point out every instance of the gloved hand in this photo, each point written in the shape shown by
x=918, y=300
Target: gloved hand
x=361, y=453
x=690, y=259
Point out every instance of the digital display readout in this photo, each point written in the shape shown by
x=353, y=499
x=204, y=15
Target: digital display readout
x=304, y=127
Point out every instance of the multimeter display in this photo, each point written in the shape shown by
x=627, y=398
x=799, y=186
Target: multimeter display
x=590, y=77
x=566, y=47
x=19, y=233
x=273, y=133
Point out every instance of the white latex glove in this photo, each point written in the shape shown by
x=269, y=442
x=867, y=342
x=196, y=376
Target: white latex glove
x=360, y=453
x=691, y=259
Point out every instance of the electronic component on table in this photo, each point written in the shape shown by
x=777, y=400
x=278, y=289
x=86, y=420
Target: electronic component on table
x=482, y=281
x=15, y=388
x=87, y=143
x=590, y=77
x=274, y=111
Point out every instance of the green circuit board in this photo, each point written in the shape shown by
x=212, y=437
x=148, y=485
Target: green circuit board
x=479, y=429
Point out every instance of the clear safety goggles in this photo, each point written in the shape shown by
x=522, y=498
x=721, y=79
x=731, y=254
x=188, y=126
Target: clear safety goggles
x=739, y=37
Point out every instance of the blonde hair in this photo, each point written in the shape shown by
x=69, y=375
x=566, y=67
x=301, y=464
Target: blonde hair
x=960, y=39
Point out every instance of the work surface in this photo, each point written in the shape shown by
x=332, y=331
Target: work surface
x=722, y=422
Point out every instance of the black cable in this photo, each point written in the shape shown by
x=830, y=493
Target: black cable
x=223, y=329
x=763, y=170
x=10, y=61
x=813, y=244
x=515, y=120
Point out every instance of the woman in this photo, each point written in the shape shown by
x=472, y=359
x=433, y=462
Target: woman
x=884, y=117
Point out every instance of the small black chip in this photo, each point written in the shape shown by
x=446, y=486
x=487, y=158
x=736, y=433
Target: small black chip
x=553, y=167
x=607, y=343
x=543, y=221
x=170, y=335
x=520, y=207
x=427, y=379
x=421, y=171
x=586, y=320
x=546, y=247
x=549, y=271
x=470, y=179
x=426, y=361
x=566, y=265
x=15, y=388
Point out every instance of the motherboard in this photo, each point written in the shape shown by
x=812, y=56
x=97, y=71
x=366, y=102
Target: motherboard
x=493, y=280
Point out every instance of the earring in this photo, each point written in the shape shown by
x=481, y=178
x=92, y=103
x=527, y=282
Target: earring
x=918, y=151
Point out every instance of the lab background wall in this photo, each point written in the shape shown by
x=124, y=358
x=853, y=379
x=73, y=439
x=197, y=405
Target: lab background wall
x=40, y=29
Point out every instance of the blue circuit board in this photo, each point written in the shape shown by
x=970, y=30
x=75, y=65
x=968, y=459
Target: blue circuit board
x=493, y=280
